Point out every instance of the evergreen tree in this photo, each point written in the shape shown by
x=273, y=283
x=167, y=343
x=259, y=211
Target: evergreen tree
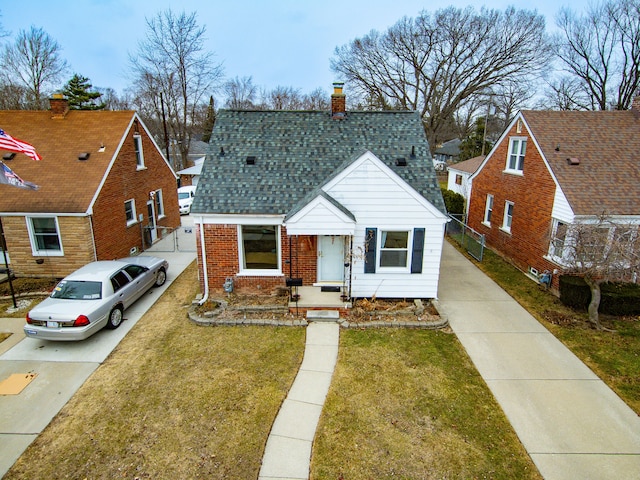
x=472, y=145
x=209, y=121
x=78, y=92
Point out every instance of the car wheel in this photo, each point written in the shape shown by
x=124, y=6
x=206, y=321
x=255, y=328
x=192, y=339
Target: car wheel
x=161, y=277
x=115, y=318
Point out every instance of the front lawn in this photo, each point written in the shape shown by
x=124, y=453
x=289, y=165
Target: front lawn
x=409, y=404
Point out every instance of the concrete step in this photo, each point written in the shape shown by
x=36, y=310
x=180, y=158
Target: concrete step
x=323, y=315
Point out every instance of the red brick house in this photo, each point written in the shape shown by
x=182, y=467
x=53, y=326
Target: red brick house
x=105, y=189
x=550, y=170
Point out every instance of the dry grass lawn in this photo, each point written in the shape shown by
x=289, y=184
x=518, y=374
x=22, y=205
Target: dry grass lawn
x=178, y=401
x=409, y=404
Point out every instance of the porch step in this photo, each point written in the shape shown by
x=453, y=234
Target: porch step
x=323, y=315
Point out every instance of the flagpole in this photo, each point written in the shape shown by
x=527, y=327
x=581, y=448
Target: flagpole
x=6, y=264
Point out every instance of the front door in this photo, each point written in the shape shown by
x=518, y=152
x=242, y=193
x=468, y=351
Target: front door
x=151, y=214
x=331, y=259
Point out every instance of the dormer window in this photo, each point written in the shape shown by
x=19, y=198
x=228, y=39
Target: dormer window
x=515, y=158
x=137, y=144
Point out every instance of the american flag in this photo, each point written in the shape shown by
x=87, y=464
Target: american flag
x=9, y=177
x=7, y=142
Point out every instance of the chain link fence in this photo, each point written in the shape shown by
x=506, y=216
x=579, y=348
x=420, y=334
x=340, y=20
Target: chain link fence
x=466, y=236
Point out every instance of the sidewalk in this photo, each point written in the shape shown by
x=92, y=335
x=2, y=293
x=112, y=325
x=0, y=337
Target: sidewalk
x=288, y=450
x=570, y=422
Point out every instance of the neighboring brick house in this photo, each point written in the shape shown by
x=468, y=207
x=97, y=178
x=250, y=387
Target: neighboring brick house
x=333, y=198
x=105, y=189
x=552, y=169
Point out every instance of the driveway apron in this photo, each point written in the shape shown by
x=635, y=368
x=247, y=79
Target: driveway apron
x=570, y=422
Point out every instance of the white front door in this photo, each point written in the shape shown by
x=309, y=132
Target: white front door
x=331, y=259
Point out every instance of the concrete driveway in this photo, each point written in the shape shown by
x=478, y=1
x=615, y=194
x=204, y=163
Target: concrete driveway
x=62, y=367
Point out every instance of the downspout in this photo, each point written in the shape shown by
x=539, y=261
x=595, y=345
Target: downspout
x=93, y=238
x=205, y=295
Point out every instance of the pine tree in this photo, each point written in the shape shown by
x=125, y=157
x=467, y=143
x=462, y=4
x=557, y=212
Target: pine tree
x=209, y=121
x=78, y=92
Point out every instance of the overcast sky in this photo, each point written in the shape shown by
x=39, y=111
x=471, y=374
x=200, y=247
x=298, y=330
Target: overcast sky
x=277, y=42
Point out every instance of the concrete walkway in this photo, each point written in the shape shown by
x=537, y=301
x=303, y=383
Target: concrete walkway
x=571, y=424
x=288, y=450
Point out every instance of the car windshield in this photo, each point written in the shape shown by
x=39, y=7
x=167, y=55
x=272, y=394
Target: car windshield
x=183, y=195
x=77, y=290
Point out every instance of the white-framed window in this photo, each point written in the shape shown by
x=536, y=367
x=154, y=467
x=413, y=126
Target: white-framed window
x=508, y=216
x=394, y=249
x=137, y=144
x=558, y=239
x=488, y=210
x=159, y=203
x=515, y=158
x=259, y=248
x=130, y=211
x=44, y=233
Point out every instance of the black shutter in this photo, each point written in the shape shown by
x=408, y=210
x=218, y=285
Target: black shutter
x=370, y=250
x=418, y=250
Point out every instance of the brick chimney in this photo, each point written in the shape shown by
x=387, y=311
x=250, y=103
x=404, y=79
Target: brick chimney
x=59, y=105
x=635, y=105
x=338, y=102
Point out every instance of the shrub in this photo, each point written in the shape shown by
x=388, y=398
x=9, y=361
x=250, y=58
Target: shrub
x=454, y=202
x=617, y=298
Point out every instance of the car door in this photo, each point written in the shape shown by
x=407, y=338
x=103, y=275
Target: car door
x=141, y=277
x=124, y=289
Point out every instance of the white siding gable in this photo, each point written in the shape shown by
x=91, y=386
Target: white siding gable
x=320, y=217
x=379, y=198
x=561, y=209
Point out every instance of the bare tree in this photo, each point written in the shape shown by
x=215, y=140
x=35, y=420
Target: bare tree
x=175, y=72
x=241, y=93
x=606, y=250
x=33, y=61
x=600, y=50
x=316, y=100
x=283, y=98
x=436, y=64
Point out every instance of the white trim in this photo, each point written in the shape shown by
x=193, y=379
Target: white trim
x=135, y=214
x=505, y=216
x=409, y=249
x=341, y=223
x=32, y=238
x=271, y=272
x=239, y=219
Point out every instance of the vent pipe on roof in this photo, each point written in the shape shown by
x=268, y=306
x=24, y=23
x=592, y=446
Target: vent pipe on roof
x=413, y=151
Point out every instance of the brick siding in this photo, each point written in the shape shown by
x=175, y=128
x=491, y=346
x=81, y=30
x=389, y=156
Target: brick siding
x=113, y=238
x=532, y=195
x=223, y=260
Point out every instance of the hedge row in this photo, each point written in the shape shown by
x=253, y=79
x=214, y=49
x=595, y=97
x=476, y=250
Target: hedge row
x=617, y=298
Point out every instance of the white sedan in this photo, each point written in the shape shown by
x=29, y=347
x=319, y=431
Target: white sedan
x=94, y=297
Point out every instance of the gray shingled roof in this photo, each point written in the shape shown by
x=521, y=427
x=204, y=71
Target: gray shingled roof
x=297, y=151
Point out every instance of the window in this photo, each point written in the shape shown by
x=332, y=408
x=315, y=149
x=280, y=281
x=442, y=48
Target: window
x=135, y=270
x=558, y=239
x=45, y=236
x=458, y=179
x=159, y=203
x=394, y=249
x=515, y=160
x=488, y=210
x=260, y=247
x=119, y=280
x=508, y=216
x=137, y=144
x=130, y=211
